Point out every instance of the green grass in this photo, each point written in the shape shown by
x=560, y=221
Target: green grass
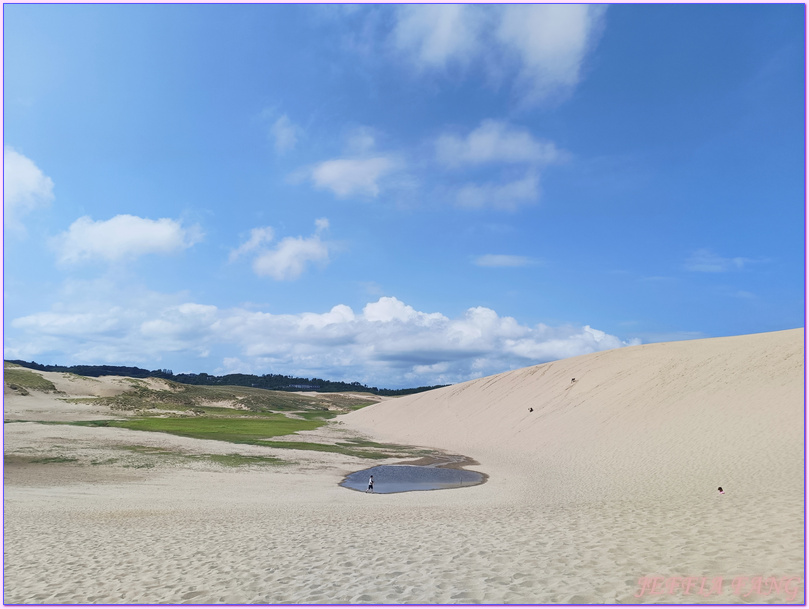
x=213, y=411
x=110, y=461
x=255, y=431
x=26, y=459
x=236, y=460
x=385, y=452
x=237, y=430
x=257, y=416
x=229, y=460
x=17, y=378
x=311, y=415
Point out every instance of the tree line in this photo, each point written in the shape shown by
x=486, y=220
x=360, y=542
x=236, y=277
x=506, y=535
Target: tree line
x=276, y=382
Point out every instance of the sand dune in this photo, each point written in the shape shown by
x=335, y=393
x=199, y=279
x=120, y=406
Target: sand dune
x=669, y=418
x=605, y=493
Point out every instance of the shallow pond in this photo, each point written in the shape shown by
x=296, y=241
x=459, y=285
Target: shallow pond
x=403, y=478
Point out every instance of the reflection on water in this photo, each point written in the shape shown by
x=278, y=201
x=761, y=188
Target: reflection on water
x=402, y=478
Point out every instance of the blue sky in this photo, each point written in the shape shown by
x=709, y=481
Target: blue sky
x=398, y=195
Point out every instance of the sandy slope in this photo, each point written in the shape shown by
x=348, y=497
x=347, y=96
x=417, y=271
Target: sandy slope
x=667, y=419
x=610, y=480
x=49, y=406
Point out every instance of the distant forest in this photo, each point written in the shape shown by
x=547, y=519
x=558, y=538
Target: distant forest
x=276, y=382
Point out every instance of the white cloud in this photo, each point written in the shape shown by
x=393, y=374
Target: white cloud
x=123, y=237
x=550, y=42
x=348, y=177
x=555, y=343
x=389, y=343
x=361, y=141
x=25, y=187
x=503, y=260
x=285, y=134
x=542, y=46
x=99, y=321
x=388, y=309
x=495, y=142
x=706, y=261
x=289, y=259
x=184, y=327
x=508, y=196
x=258, y=237
x=434, y=35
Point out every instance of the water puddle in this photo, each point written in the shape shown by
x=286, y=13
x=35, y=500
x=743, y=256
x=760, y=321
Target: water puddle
x=404, y=478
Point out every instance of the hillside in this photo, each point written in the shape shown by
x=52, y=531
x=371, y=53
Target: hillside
x=652, y=419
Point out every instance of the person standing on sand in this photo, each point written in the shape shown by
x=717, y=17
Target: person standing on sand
x=370, y=485
x=721, y=492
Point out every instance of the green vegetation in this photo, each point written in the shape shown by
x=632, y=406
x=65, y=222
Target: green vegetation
x=229, y=460
x=199, y=400
x=141, y=457
x=316, y=414
x=20, y=380
x=277, y=382
x=72, y=376
x=235, y=414
x=237, y=430
x=254, y=431
x=25, y=460
x=236, y=460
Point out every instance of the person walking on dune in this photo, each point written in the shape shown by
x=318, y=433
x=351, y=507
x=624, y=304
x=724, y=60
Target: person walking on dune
x=370, y=485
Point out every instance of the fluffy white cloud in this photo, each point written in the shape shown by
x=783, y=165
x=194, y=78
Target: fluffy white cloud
x=123, y=237
x=388, y=309
x=388, y=344
x=289, y=259
x=550, y=42
x=285, y=133
x=25, y=187
x=508, y=196
x=543, y=44
x=495, y=142
x=348, y=177
x=436, y=34
x=706, y=261
x=503, y=260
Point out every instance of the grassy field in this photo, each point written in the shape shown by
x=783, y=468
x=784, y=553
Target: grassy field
x=257, y=432
x=240, y=430
x=238, y=415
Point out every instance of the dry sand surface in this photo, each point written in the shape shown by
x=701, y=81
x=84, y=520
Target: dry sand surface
x=612, y=478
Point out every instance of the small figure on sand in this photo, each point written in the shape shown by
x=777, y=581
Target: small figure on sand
x=530, y=410
x=721, y=492
x=370, y=485
x=573, y=380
